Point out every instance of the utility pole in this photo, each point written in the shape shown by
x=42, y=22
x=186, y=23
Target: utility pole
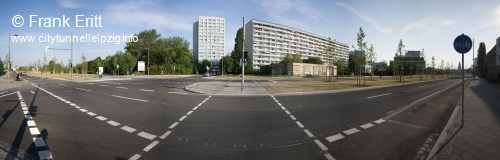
x=71, y=61
x=243, y=57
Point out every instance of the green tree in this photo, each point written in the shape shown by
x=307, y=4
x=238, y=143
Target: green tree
x=398, y=67
x=359, y=56
x=291, y=58
x=313, y=60
x=1, y=67
x=236, y=56
x=372, y=57
x=202, y=67
x=481, y=59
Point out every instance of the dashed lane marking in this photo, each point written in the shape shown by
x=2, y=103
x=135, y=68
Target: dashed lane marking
x=334, y=137
x=101, y=118
x=38, y=141
x=146, y=135
x=351, y=131
x=150, y=146
x=141, y=100
x=321, y=145
x=299, y=124
x=146, y=90
x=165, y=134
x=308, y=133
x=366, y=126
x=7, y=94
x=173, y=125
x=379, y=95
x=379, y=121
x=135, y=157
x=177, y=93
x=329, y=157
x=86, y=90
x=128, y=129
x=91, y=113
x=61, y=84
x=122, y=87
x=113, y=123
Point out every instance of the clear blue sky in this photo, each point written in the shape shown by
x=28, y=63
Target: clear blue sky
x=428, y=24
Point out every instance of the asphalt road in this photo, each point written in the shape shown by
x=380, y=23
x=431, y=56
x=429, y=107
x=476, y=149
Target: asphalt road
x=157, y=119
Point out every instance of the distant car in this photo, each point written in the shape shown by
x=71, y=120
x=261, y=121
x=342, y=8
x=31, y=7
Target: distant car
x=23, y=73
x=207, y=74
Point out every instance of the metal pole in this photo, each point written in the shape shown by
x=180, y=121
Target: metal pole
x=243, y=57
x=8, y=59
x=71, y=65
x=197, y=78
x=463, y=90
x=148, y=61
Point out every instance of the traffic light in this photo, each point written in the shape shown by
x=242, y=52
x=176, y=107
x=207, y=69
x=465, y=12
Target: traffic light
x=245, y=55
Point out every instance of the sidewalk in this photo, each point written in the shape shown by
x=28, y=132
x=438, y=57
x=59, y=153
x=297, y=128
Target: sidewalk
x=480, y=137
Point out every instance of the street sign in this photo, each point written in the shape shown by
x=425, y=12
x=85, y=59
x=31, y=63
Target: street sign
x=462, y=44
x=141, y=66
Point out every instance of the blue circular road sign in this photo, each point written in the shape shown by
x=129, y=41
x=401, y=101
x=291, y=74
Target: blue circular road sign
x=462, y=44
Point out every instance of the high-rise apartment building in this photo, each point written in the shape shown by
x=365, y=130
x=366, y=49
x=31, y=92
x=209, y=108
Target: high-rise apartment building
x=269, y=43
x=208, y=38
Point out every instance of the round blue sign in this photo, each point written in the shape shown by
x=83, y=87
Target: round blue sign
x=462, y=44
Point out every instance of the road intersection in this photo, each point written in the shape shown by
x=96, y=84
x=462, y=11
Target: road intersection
x=159, y=119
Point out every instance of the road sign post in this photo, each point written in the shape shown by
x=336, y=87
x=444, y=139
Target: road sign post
x=462, y=45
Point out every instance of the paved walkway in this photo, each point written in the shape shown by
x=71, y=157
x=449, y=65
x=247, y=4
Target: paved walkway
x=480, y=137
x=228, y=88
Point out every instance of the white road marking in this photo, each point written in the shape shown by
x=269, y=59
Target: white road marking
x=422, y=86
x=308, y=133
x=31, y=123
x=379, y=95
x=287, y=112
x=122, y=87
x=135, y=157
x=300, y=124
x=39, y=142
x=379, y=121
x=146, y=135
x=103, y=85
x=141, y=100
x=91, y=113
x=83, y=110
x=165, y=134
x=61, y=84
x=101, y=118
x=7, y=94
x=182, y=118
x=32, y=92
x=195, y=108
x=26, y=112
x=334, y=137
x=321, y=145
x=329, y=157
x=293, y=117
x=128, y=129
x=24, y=108
x=189, y=112
x=173, y=125
x=86, y=90
x=177, y=93
x=34, y=131
x=113, y=123
x=351, y=131
x=366, y=126
x=146, y=90
x=150, y=146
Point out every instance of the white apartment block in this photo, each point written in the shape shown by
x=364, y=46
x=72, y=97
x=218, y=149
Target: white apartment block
x=208, y=38
x=269, y=43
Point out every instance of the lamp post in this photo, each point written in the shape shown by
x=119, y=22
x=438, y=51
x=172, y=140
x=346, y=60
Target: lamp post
x=8, y=58
x=47, y=48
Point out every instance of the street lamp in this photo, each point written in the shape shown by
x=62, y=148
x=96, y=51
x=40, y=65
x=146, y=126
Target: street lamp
x=8, y=58
x=47, y=48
